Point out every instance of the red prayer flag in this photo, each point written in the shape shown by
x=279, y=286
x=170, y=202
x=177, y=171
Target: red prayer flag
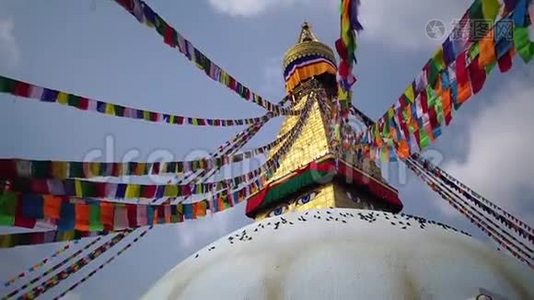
x=52, y=207
x=477, y=74
x=83, y=213
x=505, y=62
x=84, y=103
x=39, y=186
x=107, y=215
x=8, y=169
x=168, y=37
x=132, y=215
x=22, y=89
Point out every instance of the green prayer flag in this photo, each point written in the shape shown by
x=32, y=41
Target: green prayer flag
x=119, y=110
x=7, y=85
x=475, y=11
x=424, y=141
x=41, y=169
x=161, y=26
x=74, y=100
x=432, y=73
x=76, y=170
x=490, y=67
x=95, y=223
x=8, y=208
x=490, y=9
x=523, y=45
x=88, y=189
x=474, y=51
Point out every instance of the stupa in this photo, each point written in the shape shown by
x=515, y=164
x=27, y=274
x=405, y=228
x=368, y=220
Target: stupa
x=329, y=227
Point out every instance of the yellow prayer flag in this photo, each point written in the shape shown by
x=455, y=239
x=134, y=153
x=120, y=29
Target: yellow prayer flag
x=110, y=109
x=133, y=191
x=62, y=98
x=59, y=169
x=78, y=188
x=94, y=168
x=141, y=168
x=410, y=93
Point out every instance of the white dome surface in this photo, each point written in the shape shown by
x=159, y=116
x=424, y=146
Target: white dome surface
x=346, y=254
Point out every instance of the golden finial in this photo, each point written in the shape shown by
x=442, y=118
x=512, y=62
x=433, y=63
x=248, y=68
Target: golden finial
x=306, y=34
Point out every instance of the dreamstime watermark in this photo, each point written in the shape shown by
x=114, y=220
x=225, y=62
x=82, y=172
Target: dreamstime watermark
x=390, y=172
x=108, y=153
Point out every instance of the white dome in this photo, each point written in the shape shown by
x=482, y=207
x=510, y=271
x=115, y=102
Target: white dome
x=346, y=254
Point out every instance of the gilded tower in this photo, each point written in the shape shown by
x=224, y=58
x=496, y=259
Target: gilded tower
x=312, y=175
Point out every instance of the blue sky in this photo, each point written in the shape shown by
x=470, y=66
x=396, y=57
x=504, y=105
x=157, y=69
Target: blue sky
x=94, y=48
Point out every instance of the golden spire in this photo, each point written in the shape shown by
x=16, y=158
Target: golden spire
x=306, y=34
x=307, y=45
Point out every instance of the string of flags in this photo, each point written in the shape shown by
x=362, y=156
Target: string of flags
x=225, y=149
x=346, y=48
x=45, y=237
x=27, y=90
x=47, y=169
x=487, y=207
x=101, y=266
x=448, y=80
x=427, y=171
x=503, y=214
x=110, y=190
x=52, y=269
x=84, y=214
x=39, y=265
x=74, y=267
x=468, y=211
x=144, y=14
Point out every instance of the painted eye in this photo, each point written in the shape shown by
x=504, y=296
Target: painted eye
x=278, y=211
x=483, y=297
x=306, y=198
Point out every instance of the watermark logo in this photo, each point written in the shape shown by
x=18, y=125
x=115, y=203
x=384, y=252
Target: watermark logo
x=435, y=29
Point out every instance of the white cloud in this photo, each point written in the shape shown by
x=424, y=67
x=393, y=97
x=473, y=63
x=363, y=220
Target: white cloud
x=248, y=8
x=9, y=50
x=499, y=161
x=403, y=23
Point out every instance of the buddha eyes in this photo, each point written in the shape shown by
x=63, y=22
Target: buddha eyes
x=278, y=211
x=306, y=198
x=281, y=209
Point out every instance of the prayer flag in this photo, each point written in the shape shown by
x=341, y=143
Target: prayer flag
x=67, y=220
x=82, y=212
x=95, y=222
x=525, y=47
x=52, y=207
x=8, y=208
x=505, y=62
x=462, y=79
x=490, y=9
x=107, y=215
